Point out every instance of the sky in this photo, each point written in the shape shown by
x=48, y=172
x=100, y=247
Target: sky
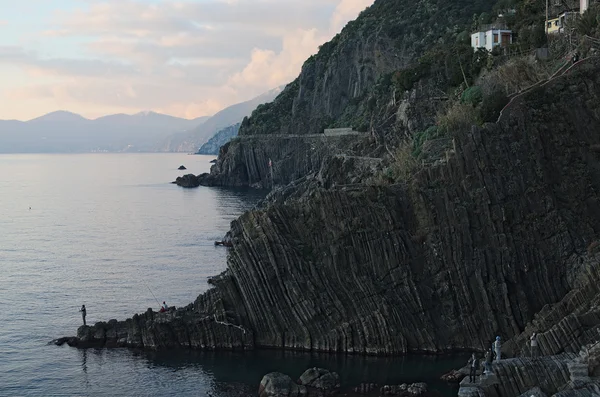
x=187, y=58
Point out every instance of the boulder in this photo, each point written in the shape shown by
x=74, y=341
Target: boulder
x=69, y=340
x=417, y=389
x=276, y=384
x=182, y=167
x=413, y=390
x=325, y=381
x=454, y=376
x=365, y=388
x=188, y=181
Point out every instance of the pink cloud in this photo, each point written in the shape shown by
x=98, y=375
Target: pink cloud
x=182, y=58
x=268, y=69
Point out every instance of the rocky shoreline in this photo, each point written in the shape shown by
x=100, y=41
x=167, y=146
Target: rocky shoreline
x=500, y=237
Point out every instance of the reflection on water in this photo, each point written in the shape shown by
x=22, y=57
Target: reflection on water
x=246, y=369
x=229, y=199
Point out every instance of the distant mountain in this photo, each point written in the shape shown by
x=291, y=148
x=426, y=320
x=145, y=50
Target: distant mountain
x=65, y=132
x=191, y=141
x=219, y=139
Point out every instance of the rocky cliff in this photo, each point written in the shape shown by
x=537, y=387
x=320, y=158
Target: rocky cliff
x=219, y=139
x=368, y=78
x=472, y=246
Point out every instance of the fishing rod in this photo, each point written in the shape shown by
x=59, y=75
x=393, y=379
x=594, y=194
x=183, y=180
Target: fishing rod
x=152, y=293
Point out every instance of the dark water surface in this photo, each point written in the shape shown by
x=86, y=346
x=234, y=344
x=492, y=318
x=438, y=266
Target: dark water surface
x=107, y=231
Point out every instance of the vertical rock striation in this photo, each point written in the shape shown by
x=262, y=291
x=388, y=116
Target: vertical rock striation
x=472, y=247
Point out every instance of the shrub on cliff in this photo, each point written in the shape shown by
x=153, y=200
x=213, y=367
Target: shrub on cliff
x=405, y=164
x=421, y=137
x=492, y=105
x=588, y=24
x=472, y=96
x=458, y=117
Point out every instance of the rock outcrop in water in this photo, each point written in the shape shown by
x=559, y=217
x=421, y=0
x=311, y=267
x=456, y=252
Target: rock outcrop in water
x=314, y=382
x=187, y=181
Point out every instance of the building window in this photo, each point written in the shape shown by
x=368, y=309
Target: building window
x=495, y=38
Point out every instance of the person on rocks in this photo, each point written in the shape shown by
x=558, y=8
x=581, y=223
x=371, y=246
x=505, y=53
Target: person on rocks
x=534, y=345
x=488, y=363
x=497, y=345
x=163, y=308
x=473, y=366
x=83, y=313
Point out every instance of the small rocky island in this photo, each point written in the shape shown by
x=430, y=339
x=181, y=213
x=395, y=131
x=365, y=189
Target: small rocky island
x=187, y=181
x=182, y=167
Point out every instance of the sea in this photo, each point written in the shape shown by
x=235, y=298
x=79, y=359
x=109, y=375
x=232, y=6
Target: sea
x=110, y=231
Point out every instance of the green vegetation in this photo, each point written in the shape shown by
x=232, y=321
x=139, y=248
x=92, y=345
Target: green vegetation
x=422, y=50
x=589, y=23
x=422, y=136
x=472, y=96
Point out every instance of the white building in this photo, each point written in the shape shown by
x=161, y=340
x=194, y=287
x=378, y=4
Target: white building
x=491, y=38
x=584, y=5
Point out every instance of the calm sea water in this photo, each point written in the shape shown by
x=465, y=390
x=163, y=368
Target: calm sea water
x=108, y=231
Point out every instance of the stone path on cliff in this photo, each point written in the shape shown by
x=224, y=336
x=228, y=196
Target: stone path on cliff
x=345, y=156
x=303, y=136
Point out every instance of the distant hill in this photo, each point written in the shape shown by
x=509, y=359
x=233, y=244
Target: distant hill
x=65, y=132
x=219, y=139
x=191, y=141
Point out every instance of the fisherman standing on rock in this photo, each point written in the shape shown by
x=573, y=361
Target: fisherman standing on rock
x=83, y=313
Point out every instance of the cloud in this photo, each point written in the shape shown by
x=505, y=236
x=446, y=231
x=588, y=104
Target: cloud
x=269, y=69
x=180, y=57
x=276, y=69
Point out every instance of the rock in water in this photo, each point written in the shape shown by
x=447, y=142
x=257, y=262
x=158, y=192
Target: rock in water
x=413, y=390
x=182, y=167
x=188, y=181
x=325, y=381
x=365, y=388
x=453, y=376
x=276, y=384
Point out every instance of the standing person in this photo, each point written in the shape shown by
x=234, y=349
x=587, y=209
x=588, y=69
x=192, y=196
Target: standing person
x=534, y=345
x=83, y=313
x=497, y=348
x=473, y=365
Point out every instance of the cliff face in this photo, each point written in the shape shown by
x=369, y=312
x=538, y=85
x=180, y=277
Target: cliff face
x=471, y=247
x=349, y=83
x=219, y=139
x=245, y=160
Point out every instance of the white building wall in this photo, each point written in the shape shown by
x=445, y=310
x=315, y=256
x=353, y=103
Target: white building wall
x=486, y=39
x=478, y=40
x=584, y=5
x=489, y=40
